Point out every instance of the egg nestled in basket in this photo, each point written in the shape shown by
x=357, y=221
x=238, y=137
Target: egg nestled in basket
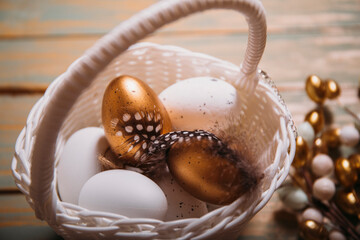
x=132, y=116
x=200, y=103
x=207, y=168
x=137, y=127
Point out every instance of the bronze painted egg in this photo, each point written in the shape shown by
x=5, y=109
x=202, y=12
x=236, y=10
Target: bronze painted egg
x=302, y=153
x=208, y=169
x=345, y=171
x=332, y=89
x=317, y=119
x=315, y=89
x=312, y=230
x=132, y=116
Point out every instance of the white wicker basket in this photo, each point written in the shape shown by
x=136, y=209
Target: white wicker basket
x=73, y=101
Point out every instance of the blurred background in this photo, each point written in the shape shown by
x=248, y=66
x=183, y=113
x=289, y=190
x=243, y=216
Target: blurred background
x=39, y=39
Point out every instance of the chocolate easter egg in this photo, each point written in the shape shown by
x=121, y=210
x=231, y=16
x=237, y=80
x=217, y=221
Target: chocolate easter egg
x=315, y=89
x=132, y=116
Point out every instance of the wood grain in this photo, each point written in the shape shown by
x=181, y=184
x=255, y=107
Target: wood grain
x=13, y=114
x=15, y=211
x=28, y=232
x=43, y=18
x=39, y=39
x=272, y=222
x=25, y=88
x=287, y=58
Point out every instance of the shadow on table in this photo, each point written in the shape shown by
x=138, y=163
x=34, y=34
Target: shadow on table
x=28, y=233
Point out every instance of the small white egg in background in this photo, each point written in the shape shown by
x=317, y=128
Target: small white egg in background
x=336, y=235
x=200, y=103
x=79, y=161
x=293, y=197
x=124, y=192
x=323, y=188
x=306, y=131
x=349, y=135
x=322, y=165
x=312, y=214
x=180, y=203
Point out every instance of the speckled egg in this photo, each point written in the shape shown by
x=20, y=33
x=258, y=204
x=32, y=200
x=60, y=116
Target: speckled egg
x=132, y=116
x=180, y=203
x=200, y=103
x=206, y=167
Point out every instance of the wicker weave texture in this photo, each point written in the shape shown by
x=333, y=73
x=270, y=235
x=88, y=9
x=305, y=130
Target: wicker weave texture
x=73, y=101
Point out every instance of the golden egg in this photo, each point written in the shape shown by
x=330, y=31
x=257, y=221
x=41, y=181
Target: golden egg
x=208, y=170
x=355, y=160
x=319, y=146
x=316, y=119
x=132, y=116
x=315, y=89
x=301, y=153
x=347, y=201
x=332, y=89
x=345, y=172
x=312, y=230
x=332, y=137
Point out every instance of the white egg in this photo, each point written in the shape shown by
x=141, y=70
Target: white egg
x=349, y=136
x=124, y=192
x=322, y=165
x=200, y=103
x=336, y=235
x=312, y=214
x=79, y=161
x=323, y=188
x=293, y=197
x=307, y=132
x=180, y=203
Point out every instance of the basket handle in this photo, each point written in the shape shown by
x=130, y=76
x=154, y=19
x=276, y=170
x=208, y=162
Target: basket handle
x=59, y=98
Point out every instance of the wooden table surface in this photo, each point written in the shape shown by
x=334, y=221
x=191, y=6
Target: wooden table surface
x=39, y=39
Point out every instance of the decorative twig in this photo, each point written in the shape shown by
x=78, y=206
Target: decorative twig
x=332, y=211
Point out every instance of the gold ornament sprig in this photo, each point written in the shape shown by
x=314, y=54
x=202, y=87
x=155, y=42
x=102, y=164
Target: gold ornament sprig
x=327, y=179
x=330, y=210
